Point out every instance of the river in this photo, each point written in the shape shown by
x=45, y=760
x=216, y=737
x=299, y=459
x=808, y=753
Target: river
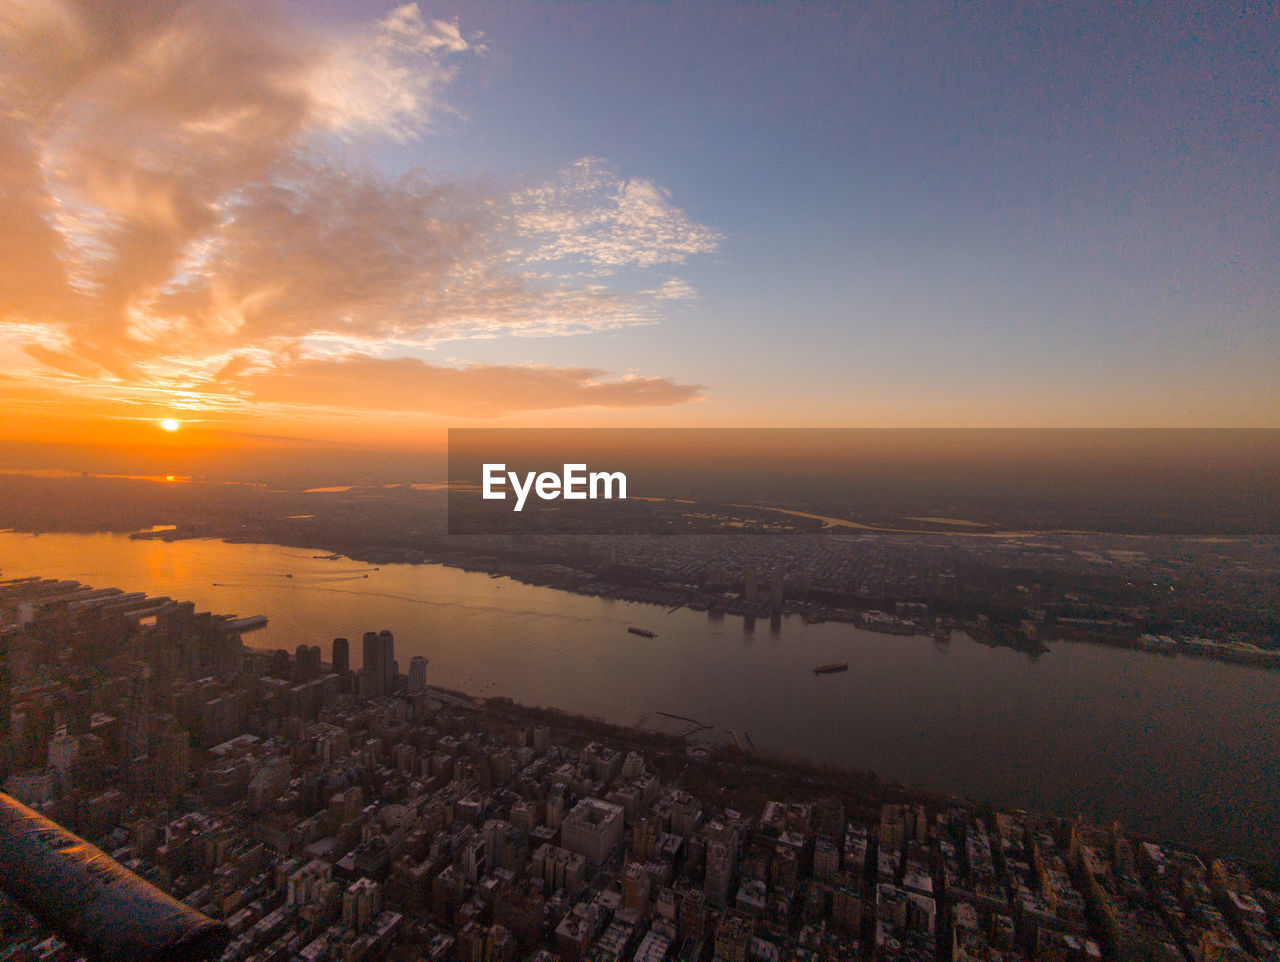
x=1179, y=748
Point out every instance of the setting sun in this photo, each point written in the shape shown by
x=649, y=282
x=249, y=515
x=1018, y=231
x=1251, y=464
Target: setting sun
x=169, y=424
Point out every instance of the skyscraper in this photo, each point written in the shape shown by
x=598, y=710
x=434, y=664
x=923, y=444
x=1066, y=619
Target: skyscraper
x=4, y=685
x=302, y=664
x=417, y=674
x=388, y=645
x=341, y=659
x=372, y=673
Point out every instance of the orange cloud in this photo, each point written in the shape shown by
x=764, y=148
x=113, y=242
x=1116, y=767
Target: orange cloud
x=176, y=231
x=479, y=390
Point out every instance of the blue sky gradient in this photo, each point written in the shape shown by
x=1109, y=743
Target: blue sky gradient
x=778, y=214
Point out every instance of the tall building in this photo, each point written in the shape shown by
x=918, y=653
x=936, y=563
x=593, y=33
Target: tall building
x=360, y=903
x=306, y=663
x=173, y=758
x=4, y=685
x=79, y=707
x=372, y=667
x=593, y=829
x=280, y=663
x=341, y=659
x=721, y=854
x=388, y=645
x=417, y=674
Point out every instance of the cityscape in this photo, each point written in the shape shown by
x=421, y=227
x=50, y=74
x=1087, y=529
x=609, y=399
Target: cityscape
x=346, y=809
x=639, y=482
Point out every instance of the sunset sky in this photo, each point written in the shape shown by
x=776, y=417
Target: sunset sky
x=361, y=223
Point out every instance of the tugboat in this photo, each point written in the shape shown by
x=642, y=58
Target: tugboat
x=643, y=632
x=832, y=668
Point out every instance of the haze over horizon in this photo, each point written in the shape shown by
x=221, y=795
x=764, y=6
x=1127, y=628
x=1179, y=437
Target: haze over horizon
x=344, y=224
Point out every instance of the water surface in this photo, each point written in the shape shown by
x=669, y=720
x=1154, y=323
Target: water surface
x=1179, y=748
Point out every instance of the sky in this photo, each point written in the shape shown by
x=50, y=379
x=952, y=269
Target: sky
x=351, y=223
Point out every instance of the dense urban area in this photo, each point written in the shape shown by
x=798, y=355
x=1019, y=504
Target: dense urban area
x=349, y=810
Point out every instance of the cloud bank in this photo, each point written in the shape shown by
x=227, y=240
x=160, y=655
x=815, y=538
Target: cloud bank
x=361, y=383
x=177, y=217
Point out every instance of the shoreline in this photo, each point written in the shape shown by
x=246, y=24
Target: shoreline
x=744, y=752
x=786, y=773
x=1127, y=637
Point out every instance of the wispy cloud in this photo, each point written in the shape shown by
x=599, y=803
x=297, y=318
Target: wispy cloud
x=592, y=215
x=387, y=79
x=674, y=289
x=478, y=390
x=174, y=221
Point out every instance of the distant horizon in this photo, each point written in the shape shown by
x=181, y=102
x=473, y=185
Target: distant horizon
x=175, y=455
x=1147, y=480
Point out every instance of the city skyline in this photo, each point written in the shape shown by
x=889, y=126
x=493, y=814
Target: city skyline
x=297, y=812
x=355, y=223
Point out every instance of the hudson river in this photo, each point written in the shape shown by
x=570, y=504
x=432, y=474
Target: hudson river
x=1183, y=749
